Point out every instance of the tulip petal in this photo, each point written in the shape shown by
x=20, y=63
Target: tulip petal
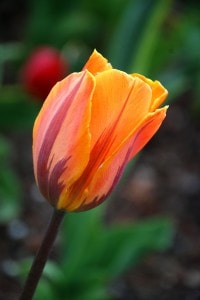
x=97, y=63
x=109, y=173
x=147, y=130
x=58, y=139
x=159, y=93
x=104, y=181
x=90, y=194
x=116, y=96
x=120, y=102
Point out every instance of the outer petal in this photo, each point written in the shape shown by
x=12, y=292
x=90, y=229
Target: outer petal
x=101, y=184
x=119, y=105
x=109, y=173
x=120, y=102
x=61, y=135
x=97, y=63
x=147, y=129
x=159, y=93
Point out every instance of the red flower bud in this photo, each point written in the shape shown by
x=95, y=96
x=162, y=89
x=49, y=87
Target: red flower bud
x=42, y=70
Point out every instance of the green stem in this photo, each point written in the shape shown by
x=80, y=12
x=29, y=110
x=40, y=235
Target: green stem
x=42, y=256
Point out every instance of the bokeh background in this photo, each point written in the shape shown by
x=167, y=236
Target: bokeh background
x=144, y=242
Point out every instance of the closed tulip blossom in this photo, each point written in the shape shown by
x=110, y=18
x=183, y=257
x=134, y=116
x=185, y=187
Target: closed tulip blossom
x=90, y=126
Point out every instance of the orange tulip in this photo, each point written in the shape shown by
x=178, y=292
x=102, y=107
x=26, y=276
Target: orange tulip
x=90, y=126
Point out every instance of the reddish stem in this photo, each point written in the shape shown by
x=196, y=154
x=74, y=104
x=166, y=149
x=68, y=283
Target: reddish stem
x=42, y=256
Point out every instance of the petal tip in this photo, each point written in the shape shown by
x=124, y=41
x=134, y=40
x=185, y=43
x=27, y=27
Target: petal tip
x=97, y=63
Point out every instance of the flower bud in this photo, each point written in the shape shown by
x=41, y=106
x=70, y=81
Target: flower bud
x=90, y=126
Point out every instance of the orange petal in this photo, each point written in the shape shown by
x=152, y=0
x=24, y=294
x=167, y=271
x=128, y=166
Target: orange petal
x=97, y=63
x=101, y=184
x=109, y=173
x=159, y=93
x=148, y=128
x=106, y=178
x=120, y=102
x=61, y=134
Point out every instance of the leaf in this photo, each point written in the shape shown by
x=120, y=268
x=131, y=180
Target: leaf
x=118, y=248
x=141, y=59
x=130, y=28
x=10, y=189
x=44, y=291
x=16, y=109
x=135, y=242
x=80, y=230
x=53, y=272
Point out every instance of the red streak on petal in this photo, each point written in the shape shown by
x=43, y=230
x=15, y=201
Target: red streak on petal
x=98, y=155
x=55, y=186
x=99, y=199
x=48, y=142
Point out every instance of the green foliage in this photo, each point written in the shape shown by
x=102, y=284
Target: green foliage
x=128, y=31
x=93, y=255
x=16, y=110
x=10, y=192
x=85, y=21
x=152, y=38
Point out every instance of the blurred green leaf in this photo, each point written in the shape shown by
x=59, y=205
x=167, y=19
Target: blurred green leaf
x=17, y=110
x=53, y=272
x=10, y=51
x=9, y=195
x=141, y=59
x=117, y=248
x=133, y=242
x=87, y=226
x=24, y=267
x=86, y=284
x=125, y=39
x=5, y=149
x=45, y=290
x=93, y=255
x=78, y=26
x=10, y=190
x=137, y=35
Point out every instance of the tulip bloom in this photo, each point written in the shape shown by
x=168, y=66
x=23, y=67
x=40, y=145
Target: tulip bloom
x=90, y=126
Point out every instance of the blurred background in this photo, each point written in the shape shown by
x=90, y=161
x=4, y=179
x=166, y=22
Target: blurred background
x=144, y=242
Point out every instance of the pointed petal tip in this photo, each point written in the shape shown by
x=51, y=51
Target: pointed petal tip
x=97, y=63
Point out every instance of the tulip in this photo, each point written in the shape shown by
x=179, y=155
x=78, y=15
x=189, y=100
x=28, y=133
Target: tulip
x=90, y=126
x=42, y=70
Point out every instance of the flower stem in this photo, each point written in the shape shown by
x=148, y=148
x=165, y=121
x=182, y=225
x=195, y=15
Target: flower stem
x=42, y=256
